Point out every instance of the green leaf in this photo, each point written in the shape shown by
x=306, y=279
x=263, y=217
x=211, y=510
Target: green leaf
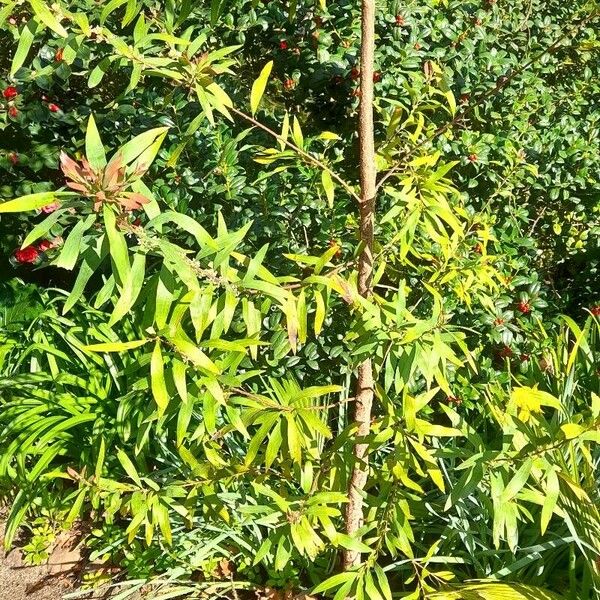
x=73, y=244
x=328, y=186
x=157, y=379
x=32, y=201
x=129, y=467
x=26, y=38
x=259, y=86
x=119, y=254
x=45, y=15
x=94, y=149
x=552, y=490
x=115, y=346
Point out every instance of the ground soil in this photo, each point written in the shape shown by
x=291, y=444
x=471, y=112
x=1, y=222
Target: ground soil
x=19, y=581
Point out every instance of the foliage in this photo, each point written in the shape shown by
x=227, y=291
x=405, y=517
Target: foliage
x=181, y=374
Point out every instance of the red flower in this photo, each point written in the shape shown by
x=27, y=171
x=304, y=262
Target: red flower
x=283, y=45
x=399, y=20
x=595, y=310
x=13, y=112
x=13, y=157
x=45, y=245
x=26, y=255
x=376, y=76
x=59, y=55
x=524, y=307
x=53, y=107
x=10, y=93
x=354, y=73
x=473, y=157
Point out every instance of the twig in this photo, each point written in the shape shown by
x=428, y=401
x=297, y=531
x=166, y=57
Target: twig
x=302, y=153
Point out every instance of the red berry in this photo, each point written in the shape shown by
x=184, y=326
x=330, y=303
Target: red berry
x=27, y=255
x=524, y=307
x=283, y=45
x=53, y=107
x=10, y=93
x=13, y=112
x=377, y=76
x=45, y=245
x=59, y=55
x=13, y=157
x=473, y=157
x=400, y=20
x=354, y=73
x=289, y=84
x=595, y=310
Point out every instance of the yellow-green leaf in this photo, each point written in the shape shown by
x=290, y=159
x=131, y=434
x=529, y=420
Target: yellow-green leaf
x=115, y=346
x=259, y=86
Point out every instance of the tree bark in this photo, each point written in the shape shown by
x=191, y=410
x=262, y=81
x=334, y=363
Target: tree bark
x=368, y=174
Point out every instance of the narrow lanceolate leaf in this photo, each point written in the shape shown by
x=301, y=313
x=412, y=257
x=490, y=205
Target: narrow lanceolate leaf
x=31, y=202
x=94, y=149
x=157, y=379
x=74, y=244
x=259, y=86
x=25, y=41
x=47, y=17
x=551, y=499
x=297, y=135
x=129, y=467
x=115, y=346
x=118, y=246
x=131, y=289
x=328, y=186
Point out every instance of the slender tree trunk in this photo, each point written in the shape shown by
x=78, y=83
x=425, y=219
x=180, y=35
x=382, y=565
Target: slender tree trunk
x=368, y=174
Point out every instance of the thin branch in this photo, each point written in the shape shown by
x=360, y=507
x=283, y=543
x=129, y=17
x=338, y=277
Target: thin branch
x=501, y=83
x=309, y=157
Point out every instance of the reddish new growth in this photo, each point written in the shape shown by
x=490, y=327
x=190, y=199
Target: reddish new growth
x=26, y=255
x=14, y=158
x=400, y=20
x=58, y=57
x=106, y=185
x=524, y=357
x=45, y=245
x=505, y=352
x=377, y=77
x=473, y=157
x=354, y=73
x=335, y=244
x=13, y=112
x=595, y=310
x=289, y=84
x=499, y=321
x=283, y=45
x=454, y=400
x=524, y=307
